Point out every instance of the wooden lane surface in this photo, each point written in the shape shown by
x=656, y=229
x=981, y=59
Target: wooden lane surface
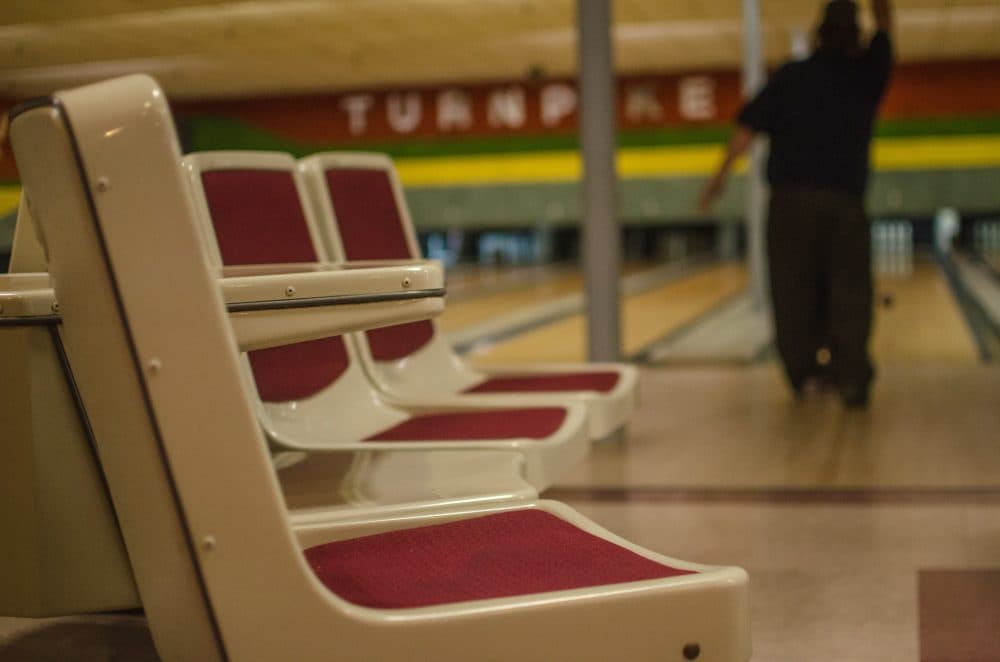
x=540, y=287
x=472, y=281
x=923, y=322
x=474, y=310
x=645, y=318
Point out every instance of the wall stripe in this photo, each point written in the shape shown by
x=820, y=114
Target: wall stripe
x=920, y=153
x=944, y=153
x=213, y=132
x=10, y=196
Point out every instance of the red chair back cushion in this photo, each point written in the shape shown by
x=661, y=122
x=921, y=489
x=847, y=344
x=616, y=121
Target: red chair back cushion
x=257, y=216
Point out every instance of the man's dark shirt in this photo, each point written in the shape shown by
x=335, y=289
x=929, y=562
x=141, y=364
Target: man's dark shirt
x=819, y=115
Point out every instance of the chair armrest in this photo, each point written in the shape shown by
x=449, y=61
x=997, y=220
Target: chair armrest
x=27, y=299
x=279, y=304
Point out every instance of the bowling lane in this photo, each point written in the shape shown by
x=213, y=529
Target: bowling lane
x=645, y=318
x=923, y=320
x=467, y=311
x=528, y=288
x=473, y=281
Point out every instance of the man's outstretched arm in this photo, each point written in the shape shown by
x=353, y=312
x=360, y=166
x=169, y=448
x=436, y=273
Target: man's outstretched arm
x=738, y=144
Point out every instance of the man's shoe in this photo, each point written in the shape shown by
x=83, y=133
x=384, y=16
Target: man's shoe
x=813, y=385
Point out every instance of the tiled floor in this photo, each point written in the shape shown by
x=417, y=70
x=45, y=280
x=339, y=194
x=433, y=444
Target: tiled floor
x=866, y=534
x=930, y=425
x=840, y=517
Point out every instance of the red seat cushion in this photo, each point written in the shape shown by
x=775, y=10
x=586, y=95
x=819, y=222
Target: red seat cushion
x=519, y=552
x=534, y=423
x=602, y=382
x=293, y=372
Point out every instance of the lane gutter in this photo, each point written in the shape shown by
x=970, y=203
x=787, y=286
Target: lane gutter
x=976, y=319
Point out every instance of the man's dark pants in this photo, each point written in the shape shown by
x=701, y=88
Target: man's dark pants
x=819, y=250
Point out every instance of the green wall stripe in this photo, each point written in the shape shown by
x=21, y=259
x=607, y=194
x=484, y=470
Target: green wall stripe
x=213, y=132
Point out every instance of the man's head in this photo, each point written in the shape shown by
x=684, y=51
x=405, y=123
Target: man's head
x=838, y=31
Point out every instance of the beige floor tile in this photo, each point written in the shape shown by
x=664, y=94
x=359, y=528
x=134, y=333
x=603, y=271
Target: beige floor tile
x=929, y=425
x=981, y=532
x=799, y=616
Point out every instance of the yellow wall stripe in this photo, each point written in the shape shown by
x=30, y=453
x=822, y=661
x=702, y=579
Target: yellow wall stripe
x=10, y=196
x=916, y=153
x=490, y=169
x=694, y=161
x=942, y=153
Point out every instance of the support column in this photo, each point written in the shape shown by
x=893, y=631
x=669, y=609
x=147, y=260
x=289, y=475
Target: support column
x=756, y=192
x=601, y=237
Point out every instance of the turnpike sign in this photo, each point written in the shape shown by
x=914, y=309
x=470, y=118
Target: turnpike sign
x=513, y=107
x=550, y=106
x=668, y=101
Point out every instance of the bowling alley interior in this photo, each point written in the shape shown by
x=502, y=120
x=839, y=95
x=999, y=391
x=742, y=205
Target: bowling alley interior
x=412, y=330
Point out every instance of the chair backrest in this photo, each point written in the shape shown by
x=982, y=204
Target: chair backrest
x=315, y=389
x=253, y=201
x=26, y=252
x=372, y=222
x=66, y=555
x=143, y=324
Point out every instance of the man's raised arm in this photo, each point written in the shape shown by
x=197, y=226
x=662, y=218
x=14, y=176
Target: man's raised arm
x=882, y=13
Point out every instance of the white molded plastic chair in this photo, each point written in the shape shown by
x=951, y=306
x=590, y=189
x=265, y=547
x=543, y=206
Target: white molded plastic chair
x=362, y=214
x=60, y=529
x=316, y=396
x=221, y=574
